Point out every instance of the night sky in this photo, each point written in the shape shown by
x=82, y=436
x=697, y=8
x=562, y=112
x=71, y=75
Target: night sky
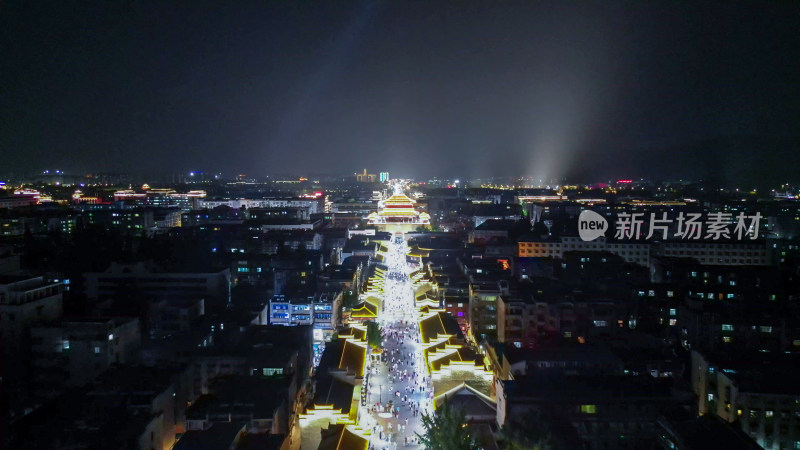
x=551, y=89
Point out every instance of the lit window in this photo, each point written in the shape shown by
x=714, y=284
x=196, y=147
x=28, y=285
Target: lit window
x=110, y=337
x=97, y=350
x=727, y=327
x=65, y=344
x=588, y=409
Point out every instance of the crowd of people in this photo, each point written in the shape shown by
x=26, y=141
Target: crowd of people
x=405, y=392
x=398, y=385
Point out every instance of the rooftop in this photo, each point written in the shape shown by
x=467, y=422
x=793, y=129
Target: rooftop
x=585, y=389
x=219, y=437
x=338, y=437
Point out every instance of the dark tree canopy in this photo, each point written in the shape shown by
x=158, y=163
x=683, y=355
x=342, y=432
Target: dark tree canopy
x=374, y=337
x=446, y=429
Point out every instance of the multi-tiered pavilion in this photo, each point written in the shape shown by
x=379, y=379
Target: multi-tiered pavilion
x=398, y=213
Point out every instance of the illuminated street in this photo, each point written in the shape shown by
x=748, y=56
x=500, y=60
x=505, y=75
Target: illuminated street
x=399, y=389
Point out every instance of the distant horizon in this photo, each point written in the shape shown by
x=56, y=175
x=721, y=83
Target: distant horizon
x=721, y=161
x=520, y=181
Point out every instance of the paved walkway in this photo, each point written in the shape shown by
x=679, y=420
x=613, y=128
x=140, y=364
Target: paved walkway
x=399, y=389
x=399, y=378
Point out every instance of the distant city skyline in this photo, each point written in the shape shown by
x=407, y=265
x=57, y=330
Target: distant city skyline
x=520, y=181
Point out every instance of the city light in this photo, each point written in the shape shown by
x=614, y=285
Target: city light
x=367, y=226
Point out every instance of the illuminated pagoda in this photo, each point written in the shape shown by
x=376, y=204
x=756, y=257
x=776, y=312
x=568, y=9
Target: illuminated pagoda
x=397, y=213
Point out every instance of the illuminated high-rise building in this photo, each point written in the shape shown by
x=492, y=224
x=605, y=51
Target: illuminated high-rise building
x=383, y=177
x=366, y=177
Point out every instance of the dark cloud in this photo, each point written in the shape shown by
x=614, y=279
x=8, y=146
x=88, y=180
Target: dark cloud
x=417, y=88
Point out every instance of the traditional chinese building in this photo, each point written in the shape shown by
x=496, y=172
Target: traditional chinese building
x=398, y=213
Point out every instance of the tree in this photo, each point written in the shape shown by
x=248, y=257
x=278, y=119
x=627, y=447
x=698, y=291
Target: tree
x=530, y=432
x=349, y=299
x=446, y=429
x=374, y=338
